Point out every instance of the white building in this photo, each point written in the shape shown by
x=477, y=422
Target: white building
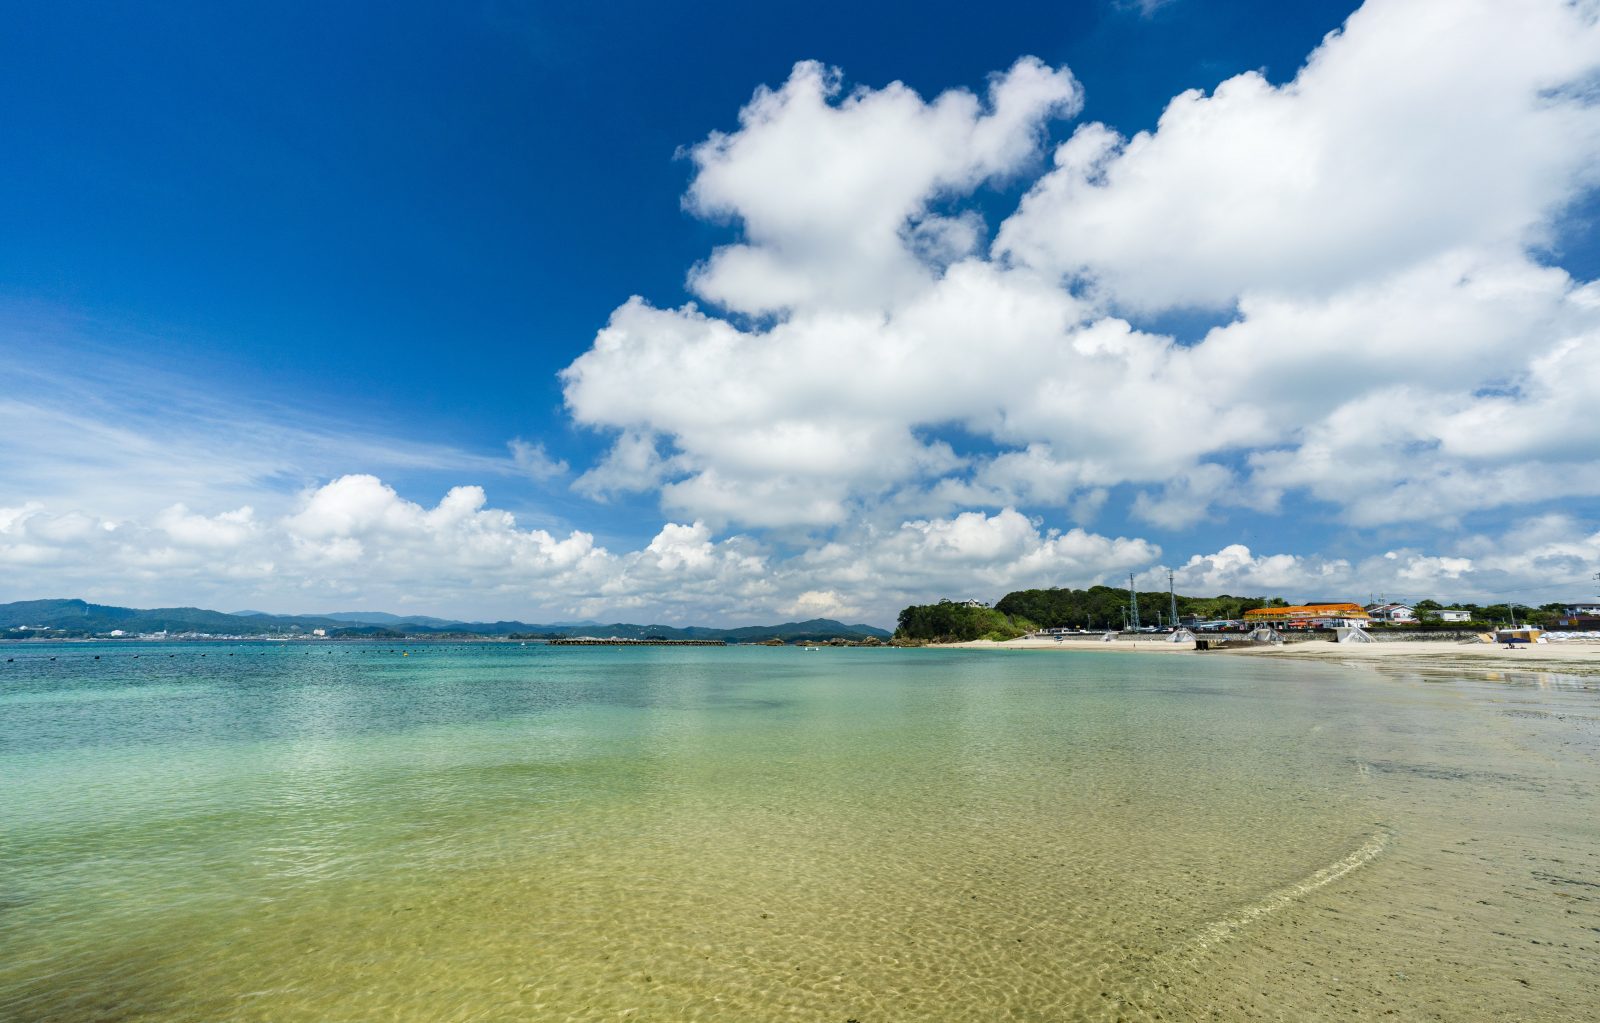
x=1452, y=614
x=1392, y=613
x=1573, y=610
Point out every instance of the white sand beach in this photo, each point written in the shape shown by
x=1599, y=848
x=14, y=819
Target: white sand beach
x=1552, y=655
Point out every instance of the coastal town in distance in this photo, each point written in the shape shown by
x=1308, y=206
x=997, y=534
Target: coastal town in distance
x=1056, y=614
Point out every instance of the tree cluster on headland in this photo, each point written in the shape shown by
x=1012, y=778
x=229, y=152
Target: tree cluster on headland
x=1107, y=607
x=951, y=622
x=1102, y=607
x=1023, y=611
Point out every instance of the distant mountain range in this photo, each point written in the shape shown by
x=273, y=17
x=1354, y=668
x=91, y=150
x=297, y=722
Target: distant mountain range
x=80, y=618
x=380, y=618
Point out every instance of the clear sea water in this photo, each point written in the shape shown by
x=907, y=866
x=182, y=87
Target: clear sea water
x=495, y=832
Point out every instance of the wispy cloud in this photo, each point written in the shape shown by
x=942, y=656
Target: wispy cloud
x=1144, y=8
x=86, y=428
x=534, y=461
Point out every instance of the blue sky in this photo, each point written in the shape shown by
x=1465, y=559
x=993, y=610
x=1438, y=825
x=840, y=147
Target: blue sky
x=250, y=253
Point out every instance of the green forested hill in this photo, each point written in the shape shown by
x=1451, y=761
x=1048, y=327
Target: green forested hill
x=82, y=616
x=1102, y=606
x=1098, y=607
x=949, y=622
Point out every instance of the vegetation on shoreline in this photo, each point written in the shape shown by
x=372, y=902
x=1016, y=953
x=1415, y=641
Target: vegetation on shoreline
x=1023, y=611
x=1102, y=607
x=950, y=622
x=1105, y=607
x=1487, y=616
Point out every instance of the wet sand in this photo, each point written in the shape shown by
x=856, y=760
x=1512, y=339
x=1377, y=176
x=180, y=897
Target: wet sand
x=1547, y=655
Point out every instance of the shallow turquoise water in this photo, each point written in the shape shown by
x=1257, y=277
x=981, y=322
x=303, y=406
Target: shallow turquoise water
x=345, y=831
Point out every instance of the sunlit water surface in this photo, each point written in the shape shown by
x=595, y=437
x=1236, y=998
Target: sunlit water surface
x=495, y=832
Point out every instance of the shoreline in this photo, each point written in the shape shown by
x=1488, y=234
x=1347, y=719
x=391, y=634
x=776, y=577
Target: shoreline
x=1578, y=654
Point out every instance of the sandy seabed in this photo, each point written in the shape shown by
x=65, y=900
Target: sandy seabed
x=1476, y=897
x=749, y=834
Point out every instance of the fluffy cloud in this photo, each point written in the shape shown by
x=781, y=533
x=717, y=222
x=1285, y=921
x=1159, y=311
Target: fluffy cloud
x=1234, y=569
x=872, y=403
x=352, y=538
x=1396, y=352
x=355, y=540
x=1549, y=557
x=223, y=531
x=1424, y=126
x=833, y=190
x=800, y=423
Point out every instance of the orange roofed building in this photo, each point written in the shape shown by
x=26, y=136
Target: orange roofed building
x=1310, y=616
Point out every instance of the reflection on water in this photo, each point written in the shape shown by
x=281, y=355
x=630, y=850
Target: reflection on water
x=1548, y=680
x=495, y=832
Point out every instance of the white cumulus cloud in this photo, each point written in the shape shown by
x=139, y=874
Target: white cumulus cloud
x=1398, y=349
x=872, y=402
x=830, y=187
x=1422, y=127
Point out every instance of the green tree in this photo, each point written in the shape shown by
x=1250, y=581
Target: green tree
x=949, y=622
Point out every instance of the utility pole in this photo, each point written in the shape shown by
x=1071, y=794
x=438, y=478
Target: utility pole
x=1133, y=602
x=1174, y=595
